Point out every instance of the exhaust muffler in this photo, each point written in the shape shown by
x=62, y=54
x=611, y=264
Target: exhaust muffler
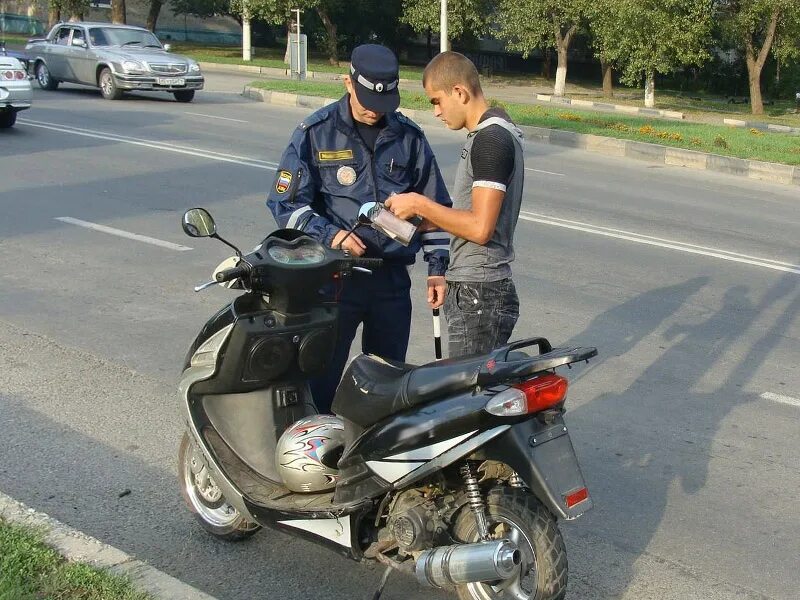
x=468, y=563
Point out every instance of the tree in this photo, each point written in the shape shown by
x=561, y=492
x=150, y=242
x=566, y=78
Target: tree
x=152, y=14
x=74, y=8
x=645, y=37
x=465, y=17
x=118, y=11
x=530, y=24
x=760, y=27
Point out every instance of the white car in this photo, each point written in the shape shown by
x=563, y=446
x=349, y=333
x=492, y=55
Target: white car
x=15, y=90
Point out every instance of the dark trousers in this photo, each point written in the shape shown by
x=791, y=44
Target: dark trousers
x=480, y=315
x=382, y=302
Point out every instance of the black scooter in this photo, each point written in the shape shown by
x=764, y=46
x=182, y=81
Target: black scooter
x=455, y=471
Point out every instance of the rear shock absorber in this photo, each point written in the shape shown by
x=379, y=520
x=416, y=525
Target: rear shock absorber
x=475, y=500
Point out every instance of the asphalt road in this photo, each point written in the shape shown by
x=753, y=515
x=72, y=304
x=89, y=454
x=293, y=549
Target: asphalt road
x=688, y=283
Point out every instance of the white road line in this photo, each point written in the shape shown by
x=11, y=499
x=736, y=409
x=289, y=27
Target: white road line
x=780, y=398
x=208, y=154
x=766, y=263
x=215, y=117
x=124, y=234
x=545, y=172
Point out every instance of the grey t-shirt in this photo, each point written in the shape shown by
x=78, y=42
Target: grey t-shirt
x=492, y=157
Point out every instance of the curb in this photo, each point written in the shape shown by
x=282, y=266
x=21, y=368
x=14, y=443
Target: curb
x=762, y=126
x=653, y=153
x=605, y=107
x=274, y=71
x=79, y=547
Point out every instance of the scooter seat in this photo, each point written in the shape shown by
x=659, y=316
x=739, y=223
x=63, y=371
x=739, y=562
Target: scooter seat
x=373, y=388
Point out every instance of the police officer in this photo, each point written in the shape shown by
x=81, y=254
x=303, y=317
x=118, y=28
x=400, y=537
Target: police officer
x=354, y=151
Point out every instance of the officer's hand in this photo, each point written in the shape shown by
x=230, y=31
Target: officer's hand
x=404, y=205
x=352, y=244
x=436, y=290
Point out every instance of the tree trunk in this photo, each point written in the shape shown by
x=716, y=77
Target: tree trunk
x=608, y=80
x=562, y=48
x=287, y=56
x=332, y=40
x=755, y=62
x=53, y=15
x=152, y=14
x=247, y=46
x=547, y=63
x=650, y=90
x=118, y=12
x=561, y=73
x=430, y=44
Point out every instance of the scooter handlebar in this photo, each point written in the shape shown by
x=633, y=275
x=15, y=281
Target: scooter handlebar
x=234, y=273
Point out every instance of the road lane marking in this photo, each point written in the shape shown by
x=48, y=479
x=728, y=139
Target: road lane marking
x=123, y=234
x=545, y=172
x=101, y=135
x=780, y=398
x=215, y=117
x=638, y=238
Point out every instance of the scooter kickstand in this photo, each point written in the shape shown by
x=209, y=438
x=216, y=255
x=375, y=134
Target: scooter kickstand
x=382, y=584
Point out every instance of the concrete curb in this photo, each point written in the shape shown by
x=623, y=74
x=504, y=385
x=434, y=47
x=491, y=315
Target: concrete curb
x=79, y=547
x=274, y=72
x=762, y=126
x=606, y=107
x=654, y=153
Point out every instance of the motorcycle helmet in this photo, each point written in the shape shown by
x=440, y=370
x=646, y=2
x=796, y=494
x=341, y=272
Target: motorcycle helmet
x=308, y=452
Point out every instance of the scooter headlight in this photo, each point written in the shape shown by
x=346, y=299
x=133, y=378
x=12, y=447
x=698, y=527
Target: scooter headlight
x=206, y=354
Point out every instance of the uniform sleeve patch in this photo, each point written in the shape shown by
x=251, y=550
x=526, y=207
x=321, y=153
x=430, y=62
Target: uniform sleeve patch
x=283, y=182
x=335, y=155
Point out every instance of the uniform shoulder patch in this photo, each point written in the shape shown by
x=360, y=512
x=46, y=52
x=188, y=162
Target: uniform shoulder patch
x=313, y=119
x=283, y=182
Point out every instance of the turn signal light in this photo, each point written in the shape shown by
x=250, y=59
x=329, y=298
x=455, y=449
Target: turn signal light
x=532, y=396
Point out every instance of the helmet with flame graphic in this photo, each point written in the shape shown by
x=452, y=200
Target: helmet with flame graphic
x=308, y=451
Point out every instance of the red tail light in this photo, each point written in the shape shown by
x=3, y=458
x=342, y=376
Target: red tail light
x=543, y=392
x=532, y=396
x=12, y=74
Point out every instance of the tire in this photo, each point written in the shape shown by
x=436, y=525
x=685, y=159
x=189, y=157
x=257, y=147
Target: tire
x=43, y=77
x=516, y=514
x=7, y=118
x=108, y=87
x=208, y=504
x=184, y=95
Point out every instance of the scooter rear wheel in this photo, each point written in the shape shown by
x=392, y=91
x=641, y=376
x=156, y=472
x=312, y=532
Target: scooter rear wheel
x=516, y=514
x=205, y=499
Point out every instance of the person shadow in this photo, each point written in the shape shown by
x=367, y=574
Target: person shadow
x=654, y=439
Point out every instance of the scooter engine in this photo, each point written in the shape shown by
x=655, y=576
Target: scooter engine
x=416, y=522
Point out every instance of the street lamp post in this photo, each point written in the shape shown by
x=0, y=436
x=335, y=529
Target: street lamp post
x=443, y=27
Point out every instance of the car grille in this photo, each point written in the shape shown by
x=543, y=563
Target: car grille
x=168, y=68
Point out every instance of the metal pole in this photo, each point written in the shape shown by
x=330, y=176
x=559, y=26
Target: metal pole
x=298, y=11
x=443, y=27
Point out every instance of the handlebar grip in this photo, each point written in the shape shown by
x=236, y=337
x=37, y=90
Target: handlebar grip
x=366, y=263
x=229, y=274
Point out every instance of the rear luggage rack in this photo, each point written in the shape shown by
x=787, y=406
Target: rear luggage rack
x=508, y=362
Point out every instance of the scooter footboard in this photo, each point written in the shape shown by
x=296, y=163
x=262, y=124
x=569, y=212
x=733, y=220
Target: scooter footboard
x=543, y=456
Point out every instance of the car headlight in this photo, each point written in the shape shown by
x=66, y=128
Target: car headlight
x=132, y=66
x=194, y=68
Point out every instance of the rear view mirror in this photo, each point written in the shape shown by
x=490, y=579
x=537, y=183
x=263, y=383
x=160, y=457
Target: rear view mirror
x=197, y=222
x=167, y=47
x=79, y=42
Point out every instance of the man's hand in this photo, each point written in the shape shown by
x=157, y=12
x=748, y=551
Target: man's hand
x=405, y=206
x=436, y=290
x=353, y=244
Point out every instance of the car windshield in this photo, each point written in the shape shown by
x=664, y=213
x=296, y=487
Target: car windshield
x=119, y=36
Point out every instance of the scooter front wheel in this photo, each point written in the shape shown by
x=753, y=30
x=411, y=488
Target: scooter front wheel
x=205, y=499
x=516, y=514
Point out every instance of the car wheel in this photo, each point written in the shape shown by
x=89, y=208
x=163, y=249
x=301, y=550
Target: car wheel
x=108, y=87
x=43, y=77
x=184, y=95
x=7, y=118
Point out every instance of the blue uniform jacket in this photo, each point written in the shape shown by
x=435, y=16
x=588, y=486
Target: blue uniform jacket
x=327, y=173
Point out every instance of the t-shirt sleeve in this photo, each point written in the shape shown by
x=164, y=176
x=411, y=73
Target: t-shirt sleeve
x=492, y=158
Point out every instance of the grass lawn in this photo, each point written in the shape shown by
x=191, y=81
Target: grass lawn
x=30, y=570
x=15, y=38
x=728, y=141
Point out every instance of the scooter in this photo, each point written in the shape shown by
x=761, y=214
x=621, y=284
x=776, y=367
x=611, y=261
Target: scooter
x=455, y=472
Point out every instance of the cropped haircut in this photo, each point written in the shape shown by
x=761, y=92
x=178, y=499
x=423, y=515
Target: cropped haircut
x=449, y=69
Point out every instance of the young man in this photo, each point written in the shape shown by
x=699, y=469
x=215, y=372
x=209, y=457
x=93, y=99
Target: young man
x=481, y=304
x=354, y=151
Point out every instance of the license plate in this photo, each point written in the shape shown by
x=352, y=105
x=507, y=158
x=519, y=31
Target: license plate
x=171, y=81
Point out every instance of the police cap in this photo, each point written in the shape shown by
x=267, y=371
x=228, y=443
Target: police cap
x=375, y=73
